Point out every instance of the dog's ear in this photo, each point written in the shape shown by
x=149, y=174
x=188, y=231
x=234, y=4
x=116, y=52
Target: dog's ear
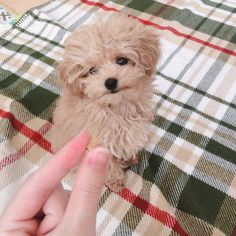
x=69, y=72
x=149, y=50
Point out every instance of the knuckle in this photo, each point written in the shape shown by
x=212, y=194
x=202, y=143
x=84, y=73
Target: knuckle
x=90, y=188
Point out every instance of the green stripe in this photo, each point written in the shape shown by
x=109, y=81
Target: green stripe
x=7, y=78
x=225, y=220
x=196, y=90
x=139, y=5
x=220, y=6
x=162, y=173
x=13, y=85
x=188, y=107
x=104, y=197
x=27, y=51
x=8, y=131
x=197, y=139
x=179, y=131
x=133, y=213
x=38, y=99
x=184, y=17
x=37, y=18
x=222, y=151
x=40, y=37
x=201, y=200
x=34, y=98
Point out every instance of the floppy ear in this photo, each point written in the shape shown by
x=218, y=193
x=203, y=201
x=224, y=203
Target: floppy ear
x=69, y=72
x=149, y=50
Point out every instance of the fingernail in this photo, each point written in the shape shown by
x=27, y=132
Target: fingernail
x=83, y=132
x=98, y=158
x=80, y=141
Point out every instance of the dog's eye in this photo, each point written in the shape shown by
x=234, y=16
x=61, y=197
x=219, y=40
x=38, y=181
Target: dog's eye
x=122, y=61
x=92, y=71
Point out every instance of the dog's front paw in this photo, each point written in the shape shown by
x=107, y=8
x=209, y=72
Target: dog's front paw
x=116, y=178
x=115, y=185
x=127, y=163
x=134, y=160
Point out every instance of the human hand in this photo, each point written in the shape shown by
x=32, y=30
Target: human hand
x=42, y=192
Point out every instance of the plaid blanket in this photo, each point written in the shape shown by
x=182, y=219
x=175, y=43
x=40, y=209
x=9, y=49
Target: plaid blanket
x=185, y=183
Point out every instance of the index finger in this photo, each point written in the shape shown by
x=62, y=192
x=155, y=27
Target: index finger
x=31, y=197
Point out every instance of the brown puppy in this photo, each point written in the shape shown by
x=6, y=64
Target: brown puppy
x=107, y=74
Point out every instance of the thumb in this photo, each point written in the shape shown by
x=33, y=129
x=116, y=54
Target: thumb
x=82, y=207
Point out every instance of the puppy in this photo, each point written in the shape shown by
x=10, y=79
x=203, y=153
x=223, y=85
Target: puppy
x=107, y=74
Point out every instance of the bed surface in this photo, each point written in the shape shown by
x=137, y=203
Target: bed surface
x=185, y=183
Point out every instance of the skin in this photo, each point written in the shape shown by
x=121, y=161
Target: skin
x=42, y=192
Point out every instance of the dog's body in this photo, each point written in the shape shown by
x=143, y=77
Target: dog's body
x=107, y=76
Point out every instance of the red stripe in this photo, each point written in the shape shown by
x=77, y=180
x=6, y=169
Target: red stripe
x=153, y=211
x=26, y=131
x=24, y=149
x=99, y=4
x=168, y=28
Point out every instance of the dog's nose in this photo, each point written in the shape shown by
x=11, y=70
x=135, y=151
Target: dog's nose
x=111, y=83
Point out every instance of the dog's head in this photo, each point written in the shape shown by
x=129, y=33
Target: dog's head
x=111, y=61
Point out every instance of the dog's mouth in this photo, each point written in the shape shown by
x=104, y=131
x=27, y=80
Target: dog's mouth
x=121, y=89
x=115, y=97
x=114, y=92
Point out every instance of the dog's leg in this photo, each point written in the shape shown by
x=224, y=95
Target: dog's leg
x=134, y=160
x=116, y=176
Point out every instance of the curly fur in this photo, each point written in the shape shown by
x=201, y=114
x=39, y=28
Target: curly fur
x=119, y=121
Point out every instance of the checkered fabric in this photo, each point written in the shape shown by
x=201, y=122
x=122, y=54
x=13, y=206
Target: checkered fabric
x=185, y=183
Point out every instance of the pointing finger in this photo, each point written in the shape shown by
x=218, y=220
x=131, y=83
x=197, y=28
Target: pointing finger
x=31, y=197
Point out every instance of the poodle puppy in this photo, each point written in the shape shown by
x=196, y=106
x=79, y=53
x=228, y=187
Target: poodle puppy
x=106, y=74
